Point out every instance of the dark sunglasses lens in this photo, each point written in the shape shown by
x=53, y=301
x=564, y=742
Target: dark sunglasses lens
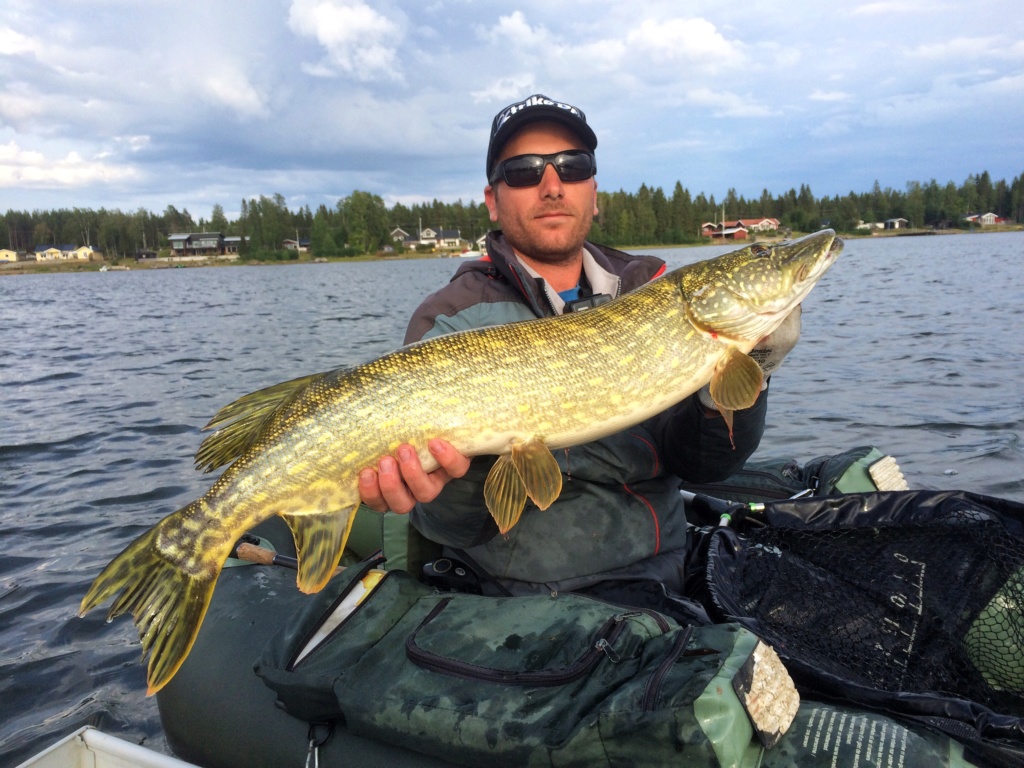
x=574, y=167
x=524, y=171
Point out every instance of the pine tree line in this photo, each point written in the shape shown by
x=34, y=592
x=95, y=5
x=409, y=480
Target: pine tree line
x=363, y=223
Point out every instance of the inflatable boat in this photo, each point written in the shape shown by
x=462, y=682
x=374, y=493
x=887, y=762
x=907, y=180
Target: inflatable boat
x=898, y=614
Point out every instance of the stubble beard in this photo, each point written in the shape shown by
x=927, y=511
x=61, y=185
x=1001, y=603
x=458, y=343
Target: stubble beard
x=548, y=247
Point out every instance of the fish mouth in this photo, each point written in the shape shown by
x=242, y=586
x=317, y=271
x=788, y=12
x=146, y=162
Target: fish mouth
x=811, y=262
x=821, y=265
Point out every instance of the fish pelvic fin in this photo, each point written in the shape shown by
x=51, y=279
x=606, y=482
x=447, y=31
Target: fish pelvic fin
x=166, y=603
x=320, y=539
x=504, y=494
x=529, y=471
x=540, y=472
x=735, y=384
x=239, y=424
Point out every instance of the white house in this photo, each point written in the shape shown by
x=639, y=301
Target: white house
x=985, y=219
x=440, y=238
x=48, y=253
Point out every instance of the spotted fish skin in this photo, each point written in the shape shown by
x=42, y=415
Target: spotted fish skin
x=518, y=390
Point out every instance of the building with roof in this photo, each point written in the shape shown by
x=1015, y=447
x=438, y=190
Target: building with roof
x=726, y=230
x=738, y=229
x=196, y=244
x=301, y=245
x=984, y=219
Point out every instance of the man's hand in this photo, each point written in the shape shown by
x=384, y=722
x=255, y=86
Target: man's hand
x=770, y=350
x=399, y=482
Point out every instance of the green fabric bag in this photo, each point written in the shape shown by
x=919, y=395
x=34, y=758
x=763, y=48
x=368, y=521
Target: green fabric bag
x=541, y=680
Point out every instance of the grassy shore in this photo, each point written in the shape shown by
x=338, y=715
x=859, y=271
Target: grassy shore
x=114, y=265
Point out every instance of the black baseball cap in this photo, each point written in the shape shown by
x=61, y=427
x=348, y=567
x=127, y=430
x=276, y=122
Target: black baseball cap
x=530, y=110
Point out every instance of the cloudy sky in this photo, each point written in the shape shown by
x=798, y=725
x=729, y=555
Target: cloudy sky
x=149, y=103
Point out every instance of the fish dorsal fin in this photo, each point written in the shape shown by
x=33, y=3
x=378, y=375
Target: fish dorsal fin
x=735, y=384
x=319, y=541
x=530, y=470
x=240, y=423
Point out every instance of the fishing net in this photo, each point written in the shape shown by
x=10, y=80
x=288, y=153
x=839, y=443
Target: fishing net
x=911, y=601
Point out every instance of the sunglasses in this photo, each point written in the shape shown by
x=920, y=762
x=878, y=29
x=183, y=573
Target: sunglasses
x=527, y=170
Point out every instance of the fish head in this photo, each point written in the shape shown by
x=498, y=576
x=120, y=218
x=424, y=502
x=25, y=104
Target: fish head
x=746, y=294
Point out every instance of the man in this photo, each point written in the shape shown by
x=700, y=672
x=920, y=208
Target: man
x=619, y=519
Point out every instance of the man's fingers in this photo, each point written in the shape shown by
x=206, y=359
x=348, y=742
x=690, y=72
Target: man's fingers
x=452, y=462
x=369, y=491
x=394, y=485
x=422, y=485
x=400, y=481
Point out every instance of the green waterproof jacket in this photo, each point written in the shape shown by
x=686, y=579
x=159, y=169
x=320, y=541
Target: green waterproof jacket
x=620, y=515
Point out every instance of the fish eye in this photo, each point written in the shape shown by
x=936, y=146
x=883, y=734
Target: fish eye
x=760, y=251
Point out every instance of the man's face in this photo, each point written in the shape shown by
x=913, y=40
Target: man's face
x=548, y=222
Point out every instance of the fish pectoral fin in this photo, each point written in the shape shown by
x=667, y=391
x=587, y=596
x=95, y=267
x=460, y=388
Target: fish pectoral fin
x=541, y=474
x=504, y=494
x=166, y=603
x=320, y=539
x=240, y=423
x=736, y=382
x=735, y=385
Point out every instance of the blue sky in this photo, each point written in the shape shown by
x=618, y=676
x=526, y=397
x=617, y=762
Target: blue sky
x=149, y=103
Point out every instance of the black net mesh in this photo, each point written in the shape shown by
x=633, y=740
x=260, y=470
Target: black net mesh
x=925, y=607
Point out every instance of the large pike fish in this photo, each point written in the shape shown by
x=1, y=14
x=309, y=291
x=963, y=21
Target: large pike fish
x=517, y=390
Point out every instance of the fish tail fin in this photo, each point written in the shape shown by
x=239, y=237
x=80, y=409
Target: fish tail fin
x=166, y=603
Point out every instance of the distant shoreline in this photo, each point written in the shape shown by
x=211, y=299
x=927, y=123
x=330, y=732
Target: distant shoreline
x=123, y=265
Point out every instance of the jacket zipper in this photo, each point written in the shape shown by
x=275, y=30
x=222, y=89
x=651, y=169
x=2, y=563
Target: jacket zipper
x=602, y=646
x=653, y=688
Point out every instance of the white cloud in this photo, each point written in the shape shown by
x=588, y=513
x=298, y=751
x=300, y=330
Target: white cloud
x=133, y=143
x=28, y=168
x=20, y=106
x=232, y=89
x=696, y=41
x=359, y=40
x=514, y=31
x=890, y=7
x=961, y=48
x=505, y=90
x=820, y=95
x=726, y=104
x=13, y=43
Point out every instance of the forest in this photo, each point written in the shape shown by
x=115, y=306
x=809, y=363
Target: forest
x=362, y=222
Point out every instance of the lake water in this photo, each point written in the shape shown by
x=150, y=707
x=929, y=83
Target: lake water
x=912, y=344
